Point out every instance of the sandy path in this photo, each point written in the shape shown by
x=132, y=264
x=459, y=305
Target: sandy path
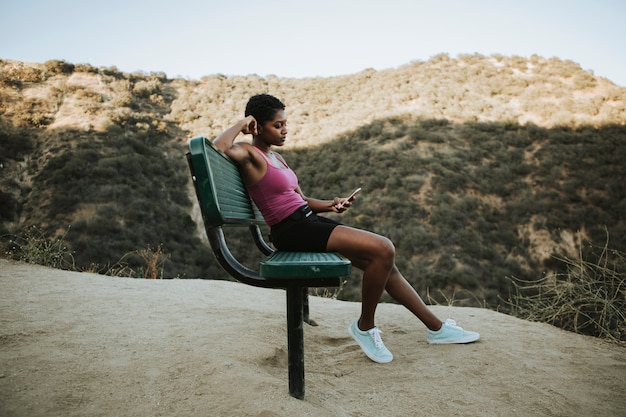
x=77, y=344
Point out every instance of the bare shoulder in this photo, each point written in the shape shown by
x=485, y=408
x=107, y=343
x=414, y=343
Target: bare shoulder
x=251, y=164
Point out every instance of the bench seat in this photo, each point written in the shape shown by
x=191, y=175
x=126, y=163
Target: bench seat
x=289, y=265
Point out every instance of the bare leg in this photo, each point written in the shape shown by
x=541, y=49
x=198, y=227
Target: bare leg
x=401, y=291
x=375, y=255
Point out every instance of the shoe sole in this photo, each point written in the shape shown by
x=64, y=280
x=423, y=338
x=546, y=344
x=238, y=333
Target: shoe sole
x=356, y=339
x=468, y=339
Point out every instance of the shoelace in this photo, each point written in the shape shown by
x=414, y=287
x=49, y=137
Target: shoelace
x=375, y=334
x=451, y=323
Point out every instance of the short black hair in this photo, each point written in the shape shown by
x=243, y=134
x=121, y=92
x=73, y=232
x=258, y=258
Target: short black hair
x=263, y=107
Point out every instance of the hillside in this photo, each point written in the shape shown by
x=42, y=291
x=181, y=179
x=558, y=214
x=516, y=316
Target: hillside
x=479, y=168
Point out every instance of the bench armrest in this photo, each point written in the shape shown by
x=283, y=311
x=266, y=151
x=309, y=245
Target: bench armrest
x=230, y=264
x=260, y=242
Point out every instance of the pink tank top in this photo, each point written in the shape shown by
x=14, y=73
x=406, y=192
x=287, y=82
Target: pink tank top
x=275, y=194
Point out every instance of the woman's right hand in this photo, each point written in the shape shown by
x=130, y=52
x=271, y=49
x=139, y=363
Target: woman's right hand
x=250, y=126
x=224, y=142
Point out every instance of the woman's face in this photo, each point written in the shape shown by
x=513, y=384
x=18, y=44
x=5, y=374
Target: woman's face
x=274, y=132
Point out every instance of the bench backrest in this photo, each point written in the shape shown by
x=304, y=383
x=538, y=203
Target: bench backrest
x=222, y=195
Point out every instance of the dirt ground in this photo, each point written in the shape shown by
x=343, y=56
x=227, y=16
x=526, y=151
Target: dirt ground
x=78, y=344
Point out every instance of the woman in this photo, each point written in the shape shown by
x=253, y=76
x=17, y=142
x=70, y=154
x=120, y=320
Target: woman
x=295, y=226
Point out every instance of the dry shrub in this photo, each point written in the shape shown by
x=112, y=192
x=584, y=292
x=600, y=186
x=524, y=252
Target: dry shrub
x=147, y=263
x=590, y=298
x=145, y=89
x=56, y=66
x=123, y=99
x=154, y=260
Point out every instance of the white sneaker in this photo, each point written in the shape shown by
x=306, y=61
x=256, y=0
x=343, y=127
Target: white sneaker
x=371, y=343
x=451, y=333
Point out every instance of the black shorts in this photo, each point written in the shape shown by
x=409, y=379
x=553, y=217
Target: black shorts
x=302, y=231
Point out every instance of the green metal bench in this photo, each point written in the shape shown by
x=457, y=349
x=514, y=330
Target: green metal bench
x=224, y=203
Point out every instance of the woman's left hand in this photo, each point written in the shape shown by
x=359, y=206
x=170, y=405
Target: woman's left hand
x=341, y=204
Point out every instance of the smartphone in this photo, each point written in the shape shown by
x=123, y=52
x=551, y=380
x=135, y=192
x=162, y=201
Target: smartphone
x=350, y=198
x=355, y=192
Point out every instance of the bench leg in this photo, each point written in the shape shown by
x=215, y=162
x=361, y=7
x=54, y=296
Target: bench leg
x=295, y=341
x=305, y=305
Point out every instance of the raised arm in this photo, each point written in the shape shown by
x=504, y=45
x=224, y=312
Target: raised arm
x=251, y=165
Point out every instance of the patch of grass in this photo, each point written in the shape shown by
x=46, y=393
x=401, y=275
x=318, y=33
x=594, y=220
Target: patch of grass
x=145, y=263
x=34, y=247
x=589, y=298
x=328, y=292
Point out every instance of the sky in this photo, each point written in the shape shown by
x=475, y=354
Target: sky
x=309, y=38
